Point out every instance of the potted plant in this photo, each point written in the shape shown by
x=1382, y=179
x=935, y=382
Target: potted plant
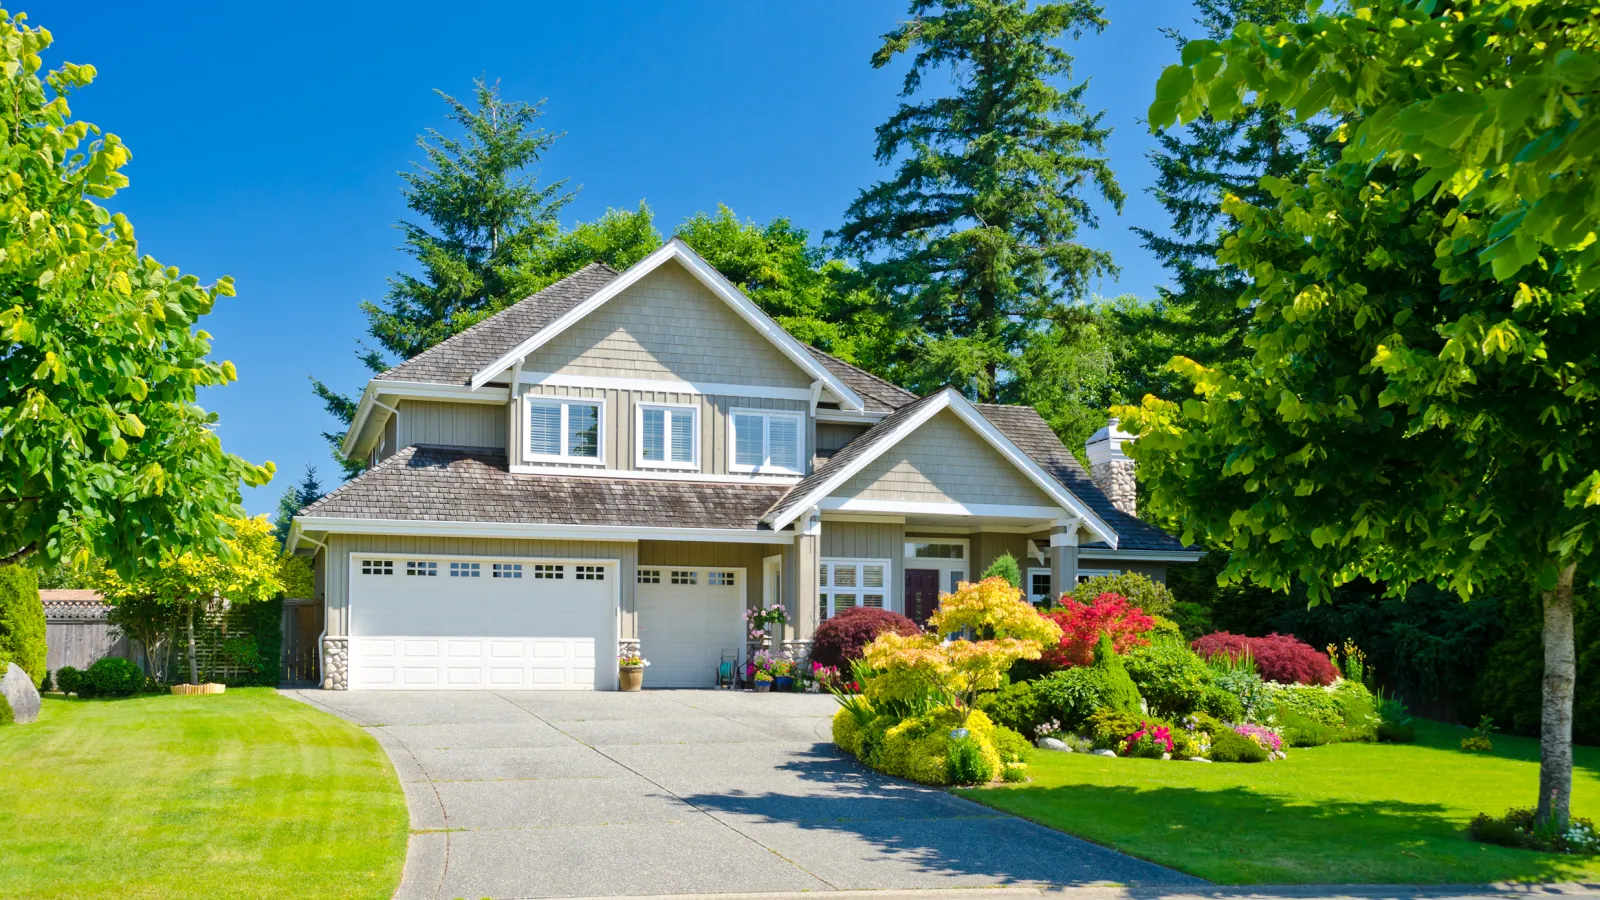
x=773, y=671
x=630, y=671
x=783, y=669
x=761, y=621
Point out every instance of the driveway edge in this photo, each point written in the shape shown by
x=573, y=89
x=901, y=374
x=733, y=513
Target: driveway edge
x=1152, y=892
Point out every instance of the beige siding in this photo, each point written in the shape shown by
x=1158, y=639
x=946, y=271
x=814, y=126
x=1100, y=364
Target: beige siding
x=668, y=326
x=452, y=424
x=750, y=557
x=944, y=461
x=619, y=434
x=869, y=540
x=832, y=437
x=341, y=546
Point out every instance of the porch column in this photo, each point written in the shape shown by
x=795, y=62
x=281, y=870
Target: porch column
x=802, y=602
x=1063, y=558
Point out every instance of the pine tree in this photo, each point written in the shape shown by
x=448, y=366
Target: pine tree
x=295, y=498
x=1196, y=166
x=973, y=240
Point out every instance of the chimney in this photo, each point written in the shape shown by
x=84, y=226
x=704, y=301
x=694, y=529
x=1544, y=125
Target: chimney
x=1111, y=468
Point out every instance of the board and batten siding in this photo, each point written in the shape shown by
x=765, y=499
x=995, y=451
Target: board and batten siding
x=833, y=436
x=669, y=326
x=621, y=439
x=843, y=539
x=944, y=461
x=340, y=547
x=451, y=424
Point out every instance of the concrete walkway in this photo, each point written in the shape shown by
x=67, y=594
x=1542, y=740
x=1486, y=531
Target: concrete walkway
x=524, y=795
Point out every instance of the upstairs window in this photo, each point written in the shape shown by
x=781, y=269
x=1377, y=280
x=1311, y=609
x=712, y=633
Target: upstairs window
x=565, y=430
x=766, y=442
x=668, y=436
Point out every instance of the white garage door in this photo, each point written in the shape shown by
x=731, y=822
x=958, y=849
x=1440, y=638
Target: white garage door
x=442, y=623
x=687, y=618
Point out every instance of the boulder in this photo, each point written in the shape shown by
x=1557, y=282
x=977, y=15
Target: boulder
x=20, y=693
x=1111, y=753
x=1198, y=759
x=1050, y=743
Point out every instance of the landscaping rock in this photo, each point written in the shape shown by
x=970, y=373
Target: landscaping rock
x=1050, y=743
x=1166, y=756
x=1198, y=759
x=1105, y=753
x=20, y=693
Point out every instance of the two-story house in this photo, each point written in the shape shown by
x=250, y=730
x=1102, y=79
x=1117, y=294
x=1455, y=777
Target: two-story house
x=635, y=459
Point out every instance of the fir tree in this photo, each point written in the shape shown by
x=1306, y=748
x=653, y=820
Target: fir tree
x=972, y=241
x=295, y=498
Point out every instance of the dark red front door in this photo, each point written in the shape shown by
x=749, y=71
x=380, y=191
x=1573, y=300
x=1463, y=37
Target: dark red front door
x=922, y=594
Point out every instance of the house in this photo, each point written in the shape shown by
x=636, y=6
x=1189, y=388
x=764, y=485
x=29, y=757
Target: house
x=631, y=460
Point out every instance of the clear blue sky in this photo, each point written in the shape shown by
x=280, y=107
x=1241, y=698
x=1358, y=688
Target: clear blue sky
x=266, y=140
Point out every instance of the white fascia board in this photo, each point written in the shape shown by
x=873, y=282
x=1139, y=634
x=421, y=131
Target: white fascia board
x=1142, y=555
x=841, y=417
x=411, y=390
x=927, y=508
x=359, y=421
x=650, y=474
x=543, y=532
x=676, y=249
x=665, y=386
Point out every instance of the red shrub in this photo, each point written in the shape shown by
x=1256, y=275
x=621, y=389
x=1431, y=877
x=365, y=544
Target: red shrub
x=1279, y=657
x=1082, y=624
x=840, y=639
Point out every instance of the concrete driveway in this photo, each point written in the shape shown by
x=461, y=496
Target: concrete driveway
x=522, y=794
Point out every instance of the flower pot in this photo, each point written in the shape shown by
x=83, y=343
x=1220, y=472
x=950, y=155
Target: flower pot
x=783, y=683
x=763, y=686
x=190, y=689
x=630, y=678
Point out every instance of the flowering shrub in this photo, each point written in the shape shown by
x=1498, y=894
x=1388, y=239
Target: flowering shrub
x=1268, y=739
x=1278, y=657
x=1148, y=742
x=758, y=620
x=770, y=665
x=1518, y=828
x=840, y=640
x=1082, y=624
x=829, y=678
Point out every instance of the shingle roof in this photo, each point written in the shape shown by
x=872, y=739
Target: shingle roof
x=73, y=604
x=455, y=359
x=471, y=484
x=877, y=394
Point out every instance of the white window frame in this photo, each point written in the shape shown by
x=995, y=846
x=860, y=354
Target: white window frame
x=672, y=410
x=1048, y=595
x=826, y=607
x=566, y=403
x=1086, y=574
x=767, y=467
x=951, y=571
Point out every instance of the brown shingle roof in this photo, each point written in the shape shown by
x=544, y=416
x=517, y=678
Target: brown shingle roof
x=471, y=484
x=876, y=394
x=72, y=604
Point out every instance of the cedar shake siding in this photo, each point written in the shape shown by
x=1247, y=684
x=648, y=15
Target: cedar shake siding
x=944, y=461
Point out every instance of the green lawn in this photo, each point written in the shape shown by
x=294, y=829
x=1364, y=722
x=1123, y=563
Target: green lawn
x=247, y=794
x=1347, y=813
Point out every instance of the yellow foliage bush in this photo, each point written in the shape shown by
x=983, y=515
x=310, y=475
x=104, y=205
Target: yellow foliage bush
x=918, y=749
x=847, y=731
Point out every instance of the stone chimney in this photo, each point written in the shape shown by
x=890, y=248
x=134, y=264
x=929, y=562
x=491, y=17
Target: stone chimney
x=1111, y=468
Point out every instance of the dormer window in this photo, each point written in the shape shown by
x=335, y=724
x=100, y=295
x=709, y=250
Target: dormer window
x=562, y=430
x=668, y=436
x=766, y=442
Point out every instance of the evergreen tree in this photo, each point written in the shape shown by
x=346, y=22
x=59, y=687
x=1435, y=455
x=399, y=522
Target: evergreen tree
x=1196, y=167
x=973, y=240
x=295, y=498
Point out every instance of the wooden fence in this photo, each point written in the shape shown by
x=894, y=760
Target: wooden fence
x=76, y=632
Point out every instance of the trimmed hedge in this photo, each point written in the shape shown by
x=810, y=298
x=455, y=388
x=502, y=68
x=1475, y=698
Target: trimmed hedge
x=22, y=622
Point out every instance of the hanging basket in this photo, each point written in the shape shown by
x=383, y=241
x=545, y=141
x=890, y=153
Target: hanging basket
x=184, y=690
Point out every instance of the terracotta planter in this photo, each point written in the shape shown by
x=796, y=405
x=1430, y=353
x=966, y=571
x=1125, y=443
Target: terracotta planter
x=631, y=678
x=184, y=690
x=763, y=687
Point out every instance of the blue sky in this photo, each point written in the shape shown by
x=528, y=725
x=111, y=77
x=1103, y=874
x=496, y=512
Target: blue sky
x=266, y=140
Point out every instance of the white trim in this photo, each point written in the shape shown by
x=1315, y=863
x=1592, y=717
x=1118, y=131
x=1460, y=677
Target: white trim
x=621, y=533
x=1086, y=574
x=816, y=395
x=925, y=507
x=1179, y=556
x=949, y=399
x=1039, y=570
x=966, y=549
x=875, y=520
x=676, y=249
x=566, y=404
x=665, y=386
x=411, y=390
x=673, y=410
x=1037, y=553
x=767, y=467
x=1068, y=538
x=840, y=417
x=651, y=475
x=860, y=590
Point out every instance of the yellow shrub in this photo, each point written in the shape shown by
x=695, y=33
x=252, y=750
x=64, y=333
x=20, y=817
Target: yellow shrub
x=846, y=731
x=918, y=749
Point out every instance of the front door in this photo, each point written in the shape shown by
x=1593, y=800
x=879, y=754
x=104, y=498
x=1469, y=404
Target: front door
x=922, y=594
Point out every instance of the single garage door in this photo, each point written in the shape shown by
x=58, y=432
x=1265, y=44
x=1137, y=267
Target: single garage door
x=453, y=623
x=688, y=618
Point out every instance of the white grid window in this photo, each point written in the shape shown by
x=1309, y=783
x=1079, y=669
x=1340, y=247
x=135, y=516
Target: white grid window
x=377, y=567
x=549, y=572
x=649, y=576
x=463, y=570
x=685, y=576
x=590, y=573
x=1038, y=585
x=936, y=550
x=719, y=579
x=668, y=436
x=1086, y=574
x=508, y=570
x=766, y=442
x=418, y=567
x=565, y=430
x=848, y=583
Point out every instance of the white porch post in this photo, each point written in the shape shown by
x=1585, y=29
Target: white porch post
x=802, y=603
x=1064, y=558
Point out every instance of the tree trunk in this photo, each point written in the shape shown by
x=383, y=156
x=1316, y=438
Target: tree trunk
x=1555, y=731
x=194, y=666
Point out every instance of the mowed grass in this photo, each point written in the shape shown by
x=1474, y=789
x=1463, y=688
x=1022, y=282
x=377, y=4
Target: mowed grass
x=1346, y=813
x=247, y=794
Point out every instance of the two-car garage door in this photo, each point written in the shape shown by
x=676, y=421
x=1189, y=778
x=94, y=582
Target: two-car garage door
x=420, y=623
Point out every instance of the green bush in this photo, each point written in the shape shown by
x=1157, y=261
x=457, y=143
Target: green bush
x=69, y=680
x=919, y=748
x=1011, y=746
x=113, y=676
x=1302, y=731
x=847, y=731
x=1228, y=745
x=6, y=715
x=1071, y=696
x=1014, y=772
x=1108, y=727
x=1169, y=675
x=966, y=763
x=1016, y=706
x=1150, y=596
x=1395, y=733
x=1005, y=566
x=1220, y=704
x=22, y=621
x=1255, y=698
x=49, y=683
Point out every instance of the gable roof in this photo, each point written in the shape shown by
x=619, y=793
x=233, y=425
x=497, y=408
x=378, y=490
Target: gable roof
x=895, y=428
x=878, y=394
